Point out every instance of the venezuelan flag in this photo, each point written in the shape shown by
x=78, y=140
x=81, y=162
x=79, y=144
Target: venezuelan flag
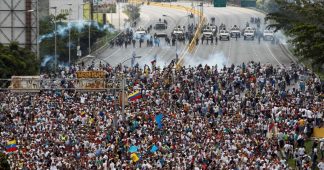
x=11, y=146
x=134, y=96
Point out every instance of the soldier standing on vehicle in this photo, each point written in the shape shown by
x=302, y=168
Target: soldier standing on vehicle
x=140, y=43
x=134, y=42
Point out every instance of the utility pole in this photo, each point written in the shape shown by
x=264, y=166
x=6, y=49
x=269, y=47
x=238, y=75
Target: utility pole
x=69, y=25
x=55, y=40
x=119, y=15
x=89, y=28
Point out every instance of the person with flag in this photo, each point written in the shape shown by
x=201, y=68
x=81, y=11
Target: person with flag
x=11, y=146
x=135, y=95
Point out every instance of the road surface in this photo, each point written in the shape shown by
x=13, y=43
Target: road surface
x=224, y=53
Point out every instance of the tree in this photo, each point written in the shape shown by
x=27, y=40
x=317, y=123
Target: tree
x=18, y=61
x=132, y=11
x=3, y=162
x=303, y=21
x=79, y=37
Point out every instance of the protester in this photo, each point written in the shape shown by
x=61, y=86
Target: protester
x=249, y=116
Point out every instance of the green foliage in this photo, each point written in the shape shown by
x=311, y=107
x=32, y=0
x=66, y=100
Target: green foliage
x=132, y=11
x=4, y=165
x=18, y=61
x=268, y=5
x=304, y=22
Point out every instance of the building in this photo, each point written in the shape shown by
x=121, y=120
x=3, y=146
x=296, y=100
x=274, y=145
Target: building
x=18, y=22
x=64, y=6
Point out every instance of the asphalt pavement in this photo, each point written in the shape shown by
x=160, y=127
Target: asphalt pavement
x=225, y=52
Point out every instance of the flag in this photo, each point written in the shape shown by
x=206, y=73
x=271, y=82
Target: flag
x=133, y=149
x=134, y=157
x=271, y=126
x=154, y=149
x=11, y=146
x=135, y=95
x=158, y=119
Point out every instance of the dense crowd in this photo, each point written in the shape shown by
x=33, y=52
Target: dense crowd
x=250, y=116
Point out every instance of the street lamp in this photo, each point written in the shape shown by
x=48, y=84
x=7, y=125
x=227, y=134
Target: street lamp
x=89, y=29
x=37, y=29
x=55, y=41
x=124, y=83
x=69, y=25
x=78, y=48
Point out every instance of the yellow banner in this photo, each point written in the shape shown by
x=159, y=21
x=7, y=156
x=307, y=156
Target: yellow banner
x=90, y=84
x=90, y=74
x=318, y=132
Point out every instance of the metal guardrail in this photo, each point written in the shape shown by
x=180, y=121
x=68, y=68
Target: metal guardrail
x=79, y=84
x=105, y=44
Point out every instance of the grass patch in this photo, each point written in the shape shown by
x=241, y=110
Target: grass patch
x=308, y=150
x=291, y=163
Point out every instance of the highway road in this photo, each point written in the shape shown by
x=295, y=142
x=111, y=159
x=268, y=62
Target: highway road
x=224, y=53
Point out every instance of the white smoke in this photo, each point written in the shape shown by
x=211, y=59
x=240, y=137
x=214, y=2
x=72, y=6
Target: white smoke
x=46, y=59
x=283, y=39
x=218, y=59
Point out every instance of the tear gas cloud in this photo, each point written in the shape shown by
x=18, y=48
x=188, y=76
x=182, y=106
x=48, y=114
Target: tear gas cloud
x=63, y=30
x=218, y=59
x=46, y=59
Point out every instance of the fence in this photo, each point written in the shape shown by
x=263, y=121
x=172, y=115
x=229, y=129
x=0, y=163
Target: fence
x=36, y=84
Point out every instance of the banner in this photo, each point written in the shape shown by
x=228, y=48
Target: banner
x=90, y=84
x=25, y=84
x=90, y=80
x=90, y=74
x=318, y=132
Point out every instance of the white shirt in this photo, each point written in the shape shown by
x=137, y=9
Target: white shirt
x=320, y=166
x=112, y=166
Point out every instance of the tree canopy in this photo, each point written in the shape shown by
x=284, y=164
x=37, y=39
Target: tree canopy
x=79, y=37
x=132, y=11
x=3, y=162
x=15, y=60
x=303, y=21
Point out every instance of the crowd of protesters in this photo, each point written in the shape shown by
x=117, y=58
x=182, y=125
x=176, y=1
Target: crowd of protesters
x=250, y=116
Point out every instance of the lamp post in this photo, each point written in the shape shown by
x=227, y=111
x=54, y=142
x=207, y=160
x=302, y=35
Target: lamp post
x=89, y=29
x=78, y=48
x=124, y=84
x=37, y=29
x=119, y=15
x=55, y=41
x=69, y=25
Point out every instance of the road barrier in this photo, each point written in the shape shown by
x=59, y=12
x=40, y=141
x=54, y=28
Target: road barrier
x=86, y=81
x=191, y=46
